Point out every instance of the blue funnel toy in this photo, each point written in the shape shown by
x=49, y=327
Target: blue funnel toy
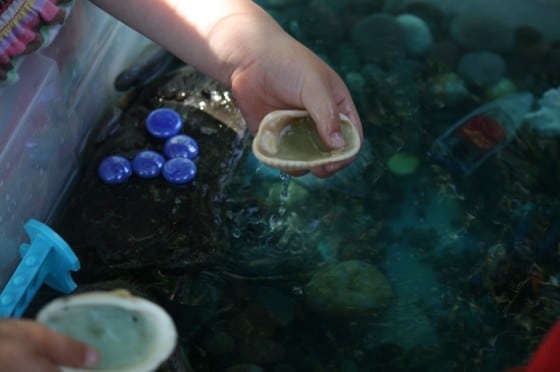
x=47, y=259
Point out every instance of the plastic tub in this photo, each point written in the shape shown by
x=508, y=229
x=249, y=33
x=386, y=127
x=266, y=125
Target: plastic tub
x=47, y=116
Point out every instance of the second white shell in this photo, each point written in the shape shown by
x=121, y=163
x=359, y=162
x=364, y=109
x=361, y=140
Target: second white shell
x=288, y=140
x=131, y=334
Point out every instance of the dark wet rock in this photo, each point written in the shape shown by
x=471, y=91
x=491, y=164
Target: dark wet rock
x=481, y=68
x=283, y=367
x=347, y=57
x=534, y=56
x=361, y=249
x=386, y=355
x=262, y=352
x=365, y=6
x=529, y=61
x=349, y=6
x=188, y=88
x=357, y=86
x=218, y=344
x=245, y=368
x=151, y=223
x=551, y=72
x=409, y=70
x=443, y=56
x=330, y=22
x=477, y=32
x=153, y=61
x=526, y=36
x=254, y=323
x=379, y=37
x=280, y=306
x=414, y=324
x=314, y=29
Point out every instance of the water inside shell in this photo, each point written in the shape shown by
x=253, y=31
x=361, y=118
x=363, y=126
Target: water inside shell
x=289, y=140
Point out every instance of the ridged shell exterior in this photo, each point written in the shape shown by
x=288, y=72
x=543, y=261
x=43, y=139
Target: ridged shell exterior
x=269, y=135
x=161, y=344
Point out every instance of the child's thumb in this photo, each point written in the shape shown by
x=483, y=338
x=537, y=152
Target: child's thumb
x=324, y=112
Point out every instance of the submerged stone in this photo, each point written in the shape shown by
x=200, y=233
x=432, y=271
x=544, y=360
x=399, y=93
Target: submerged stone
x=482, y=32
x=481, y=68
x=347, y=289
x=418, y=37
x=379, y=37
x=402, y=164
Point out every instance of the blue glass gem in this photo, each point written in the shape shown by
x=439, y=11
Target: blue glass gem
x=181, y=146
x=114, y=169
x=148, y=164
x=179, y=170
x=164, y=123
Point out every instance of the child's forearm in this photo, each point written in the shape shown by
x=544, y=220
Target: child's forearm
x=214, y=36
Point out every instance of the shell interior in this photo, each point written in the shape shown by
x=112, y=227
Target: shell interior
x=129, y=333
x=288, y=140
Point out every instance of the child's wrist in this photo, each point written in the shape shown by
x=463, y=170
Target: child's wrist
x=242, y=39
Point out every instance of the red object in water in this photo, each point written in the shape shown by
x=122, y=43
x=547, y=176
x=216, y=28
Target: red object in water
x=547, y=356
x=483, y=132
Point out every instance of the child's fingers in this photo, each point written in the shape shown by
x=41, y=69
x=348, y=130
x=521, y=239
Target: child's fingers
x=56, y=347
x=68, y=352
x=16, y=356
x=325, y=96
x=318, y=98
x=331, y=98
x=329, y=169
x=35, y=363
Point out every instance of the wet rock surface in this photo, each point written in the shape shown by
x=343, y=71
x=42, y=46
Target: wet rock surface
x=150, y=223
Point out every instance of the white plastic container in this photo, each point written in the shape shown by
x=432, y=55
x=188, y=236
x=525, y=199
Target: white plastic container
x=45, y=117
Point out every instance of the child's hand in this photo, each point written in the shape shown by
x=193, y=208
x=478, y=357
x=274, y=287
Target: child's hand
x=239, y=44
x=286, y=75
x=27, y=346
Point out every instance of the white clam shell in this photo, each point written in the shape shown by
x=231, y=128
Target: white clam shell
x=130, y=333
x=288, y=140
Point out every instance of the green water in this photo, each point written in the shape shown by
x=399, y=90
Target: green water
x=300, y=140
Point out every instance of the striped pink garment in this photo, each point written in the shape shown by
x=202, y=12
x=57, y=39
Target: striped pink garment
x=20, y=27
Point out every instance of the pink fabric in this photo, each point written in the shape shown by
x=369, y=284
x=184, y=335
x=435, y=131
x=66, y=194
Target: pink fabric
x=20, y=26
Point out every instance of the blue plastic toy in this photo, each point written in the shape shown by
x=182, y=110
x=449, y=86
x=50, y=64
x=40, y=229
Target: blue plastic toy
x=48, y=259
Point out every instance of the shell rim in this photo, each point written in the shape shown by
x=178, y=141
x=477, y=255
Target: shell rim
x=296, y=165
x=166, y=341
